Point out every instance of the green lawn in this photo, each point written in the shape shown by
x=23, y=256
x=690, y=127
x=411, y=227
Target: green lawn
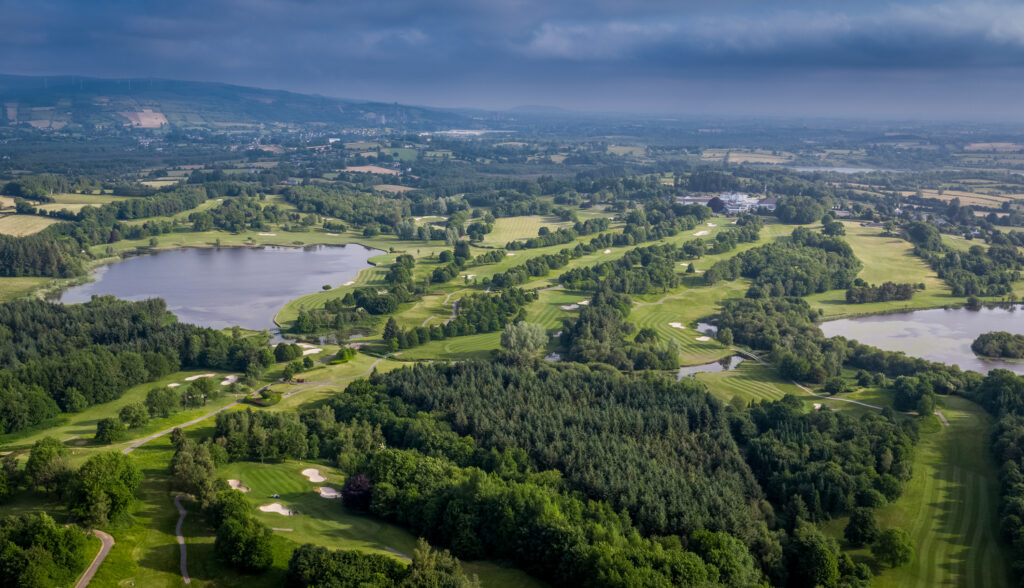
x=326, y=522
x=949, y=507
x=749, y=381
x=519, y=228
x=11, y=288
x=81, y=426
x=885, y=259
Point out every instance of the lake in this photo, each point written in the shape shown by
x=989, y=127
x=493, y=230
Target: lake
x=225, y=287
x=723, y=365
x=938, y=335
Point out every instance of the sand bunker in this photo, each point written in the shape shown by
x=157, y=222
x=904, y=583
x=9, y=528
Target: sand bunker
x=584, y=302
x=700, y=233
x=332, y=234
x=312, y=351
x=174, y=385
x=306, y=345
x=677, y=325
x=817, y=405
x=712, y=225
x=229, y=380
x=510, y=255
x=470, y=276
x=267, y=234
x=570, y=306
x=237, y=485
x=326, y=492
x=276, y=507
x=197, y=376
x=349, y=283
x=703, y=338
x=607, y=250
x=313, y=475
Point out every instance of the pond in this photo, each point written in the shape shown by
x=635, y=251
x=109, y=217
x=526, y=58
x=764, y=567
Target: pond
x=224, y=287
x=938, y=335
x=723, y=365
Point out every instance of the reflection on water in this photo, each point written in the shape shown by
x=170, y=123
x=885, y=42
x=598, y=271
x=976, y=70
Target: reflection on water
x=221, y=288
x=938, y=335
x=722, y=365
x=707, y=329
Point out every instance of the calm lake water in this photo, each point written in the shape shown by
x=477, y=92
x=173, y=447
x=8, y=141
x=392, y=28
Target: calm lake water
x=937, y=335
x=225, y=287
x=723, y=365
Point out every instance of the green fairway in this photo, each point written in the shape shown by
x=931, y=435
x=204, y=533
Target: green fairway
x=82, y=425
x=949, y=507
x=885, y=259
x=519, y=228
x=749, y=381
x=328, y=523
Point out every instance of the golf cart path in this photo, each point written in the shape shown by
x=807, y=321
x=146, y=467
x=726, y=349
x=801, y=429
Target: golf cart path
x=108, y=544
x=181, y=539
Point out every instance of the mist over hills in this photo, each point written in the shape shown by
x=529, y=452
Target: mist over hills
x=73, y=101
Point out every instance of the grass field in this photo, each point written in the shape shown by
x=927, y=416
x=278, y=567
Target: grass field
x=749, y=381
x=11, y=288
x=76, y=202
x=82, y=425
x=519, y=228
x=885, y=259
x=19, y=225
x=326, y=522
x=948, y=507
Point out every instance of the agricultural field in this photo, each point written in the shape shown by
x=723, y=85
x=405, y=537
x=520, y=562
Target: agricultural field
x=747, y=156
x=19, y=225
x=76, y=202
x=630, y=150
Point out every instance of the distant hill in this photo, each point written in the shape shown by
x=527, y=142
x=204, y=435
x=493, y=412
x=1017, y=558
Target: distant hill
x=76, y=102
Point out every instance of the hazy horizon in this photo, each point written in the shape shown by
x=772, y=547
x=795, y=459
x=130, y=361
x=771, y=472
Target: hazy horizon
x=911, y=60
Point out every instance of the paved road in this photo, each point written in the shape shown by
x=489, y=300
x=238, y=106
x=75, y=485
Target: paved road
x=108, y=543
x=181, y=539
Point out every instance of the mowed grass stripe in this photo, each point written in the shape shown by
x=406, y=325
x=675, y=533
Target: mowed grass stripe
x=948, y=507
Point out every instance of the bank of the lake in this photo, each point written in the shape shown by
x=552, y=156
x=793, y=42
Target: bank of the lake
x=223, y=287
x=941, y=335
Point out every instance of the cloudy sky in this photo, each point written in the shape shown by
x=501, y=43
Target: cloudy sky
x=862, y=58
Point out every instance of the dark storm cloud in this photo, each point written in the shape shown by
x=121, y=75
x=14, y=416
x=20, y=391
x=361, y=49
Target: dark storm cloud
x=601, y=54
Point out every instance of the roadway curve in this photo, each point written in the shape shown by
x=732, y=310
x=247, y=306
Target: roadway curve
x=108, y=544
x=181, y=539
x=139, y=442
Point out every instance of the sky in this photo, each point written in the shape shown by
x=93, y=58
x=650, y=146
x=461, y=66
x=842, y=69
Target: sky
x=856, y=58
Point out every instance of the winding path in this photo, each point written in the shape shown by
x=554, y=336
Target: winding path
x=139, y=442
x=329, y=382
x=181, y=539
x=108, y=544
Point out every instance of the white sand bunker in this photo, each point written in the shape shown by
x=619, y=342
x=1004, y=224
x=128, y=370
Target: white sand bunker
x=306, y=345
x=510, y=255
x=332, y=234
x=677, y=325
x=817, y=406
x=607, y=250
x=312, y=351
x=267, y=234
x=276, y=507
x=330, y=493
x=703, y=338
x=470, y=276
x=229, y=380
x=584, y=302
x=700, y=233
x=237, y=485
x=712, y=225
x=174, y=385
x=313, y=475
x=570, y=306
x=349, y=283
x=197, y=376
